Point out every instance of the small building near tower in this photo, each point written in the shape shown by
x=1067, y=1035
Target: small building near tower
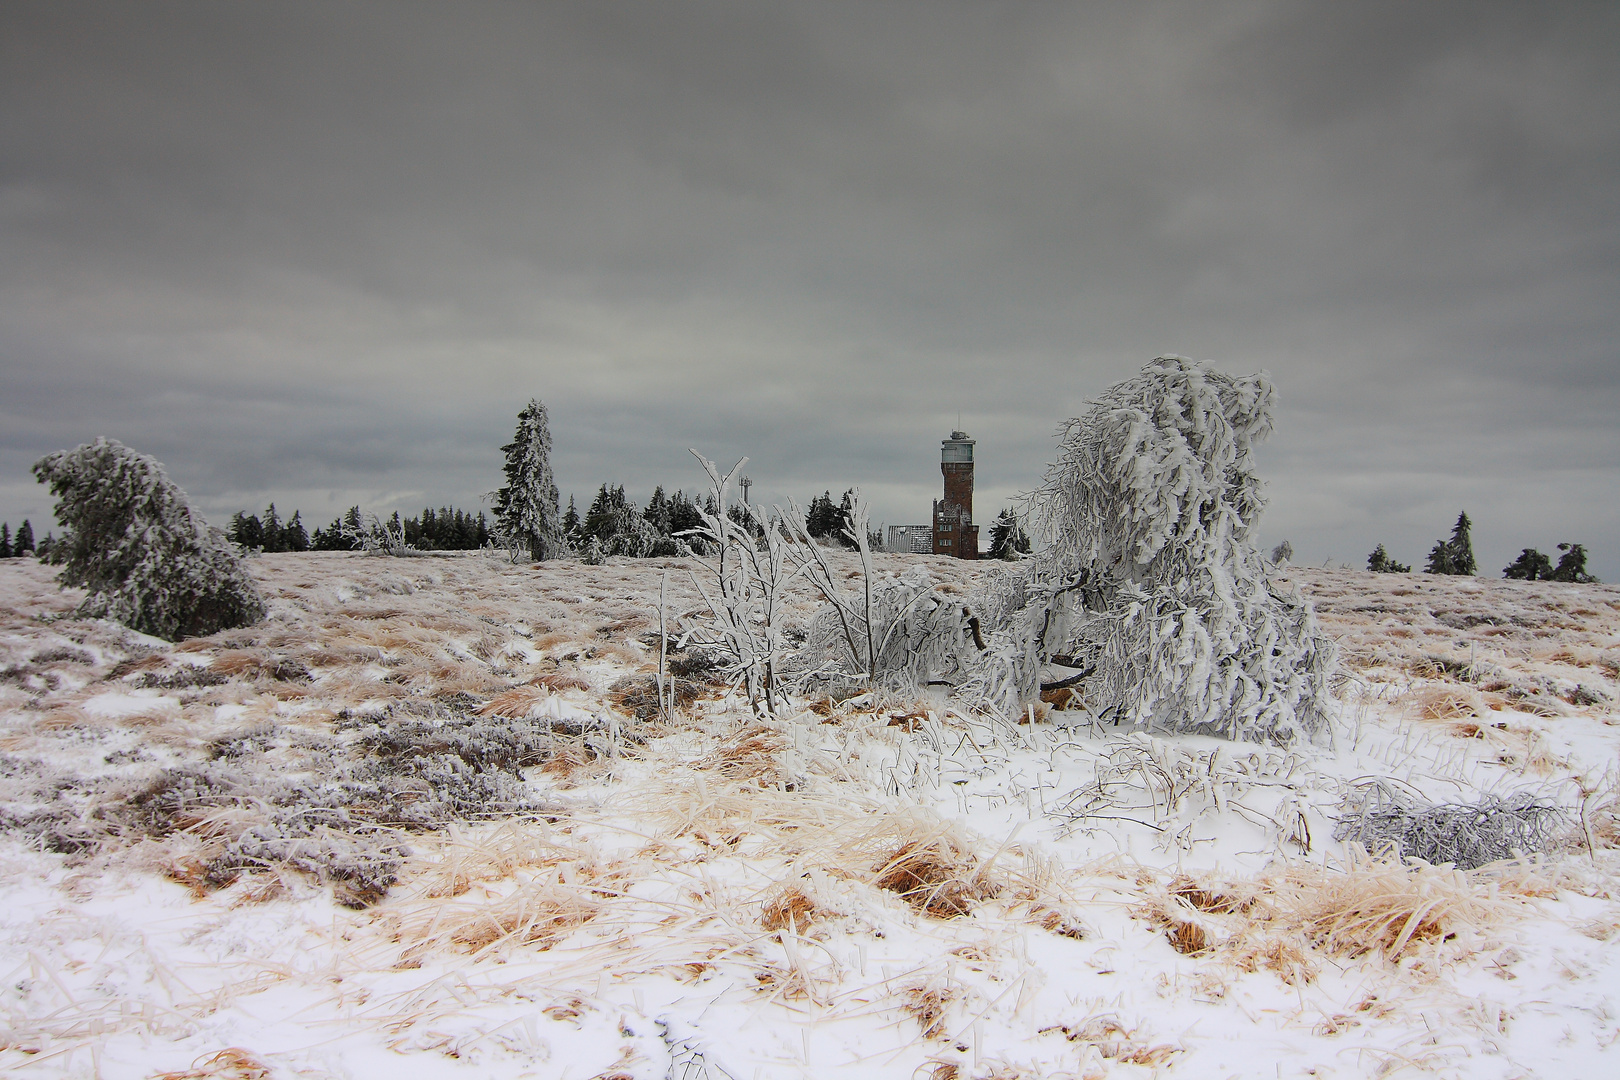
x=954, y=532
x=911, y=539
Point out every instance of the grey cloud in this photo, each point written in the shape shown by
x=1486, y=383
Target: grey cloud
x=305, y=249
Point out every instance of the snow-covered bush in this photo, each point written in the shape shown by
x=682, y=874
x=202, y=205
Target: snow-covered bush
x=1145, y=579
x=745, y=592
x=1469, y=835
x=133, y=541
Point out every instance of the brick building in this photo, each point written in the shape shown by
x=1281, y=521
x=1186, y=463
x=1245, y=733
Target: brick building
x=954, y=531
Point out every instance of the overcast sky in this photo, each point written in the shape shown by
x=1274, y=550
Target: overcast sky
x=324, y=253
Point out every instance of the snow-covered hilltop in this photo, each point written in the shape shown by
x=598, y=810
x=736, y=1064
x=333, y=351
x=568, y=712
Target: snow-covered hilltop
x=428, y=817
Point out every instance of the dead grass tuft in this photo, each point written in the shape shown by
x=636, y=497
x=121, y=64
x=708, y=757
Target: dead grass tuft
x=232, y=1063
x=1216, y=899
x=935, y=877
x=537, y=913
x=752, y=755
x=1383, y=906
x=1446, y=703
x=516, y=703
x=928, y=1004
x=792, y=909
x=1114, y=1041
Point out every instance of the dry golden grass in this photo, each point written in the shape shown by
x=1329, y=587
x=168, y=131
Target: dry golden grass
x=537, y=914
x=1285, y=921
x=929, y=1003
x=232, y=1063
x=752, y=755
x=793, y=909
x=935, y=877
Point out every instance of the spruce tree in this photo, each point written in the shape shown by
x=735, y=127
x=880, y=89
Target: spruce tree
x=657, y=512
x=146, y=558
x=844, y=529
x=1380, y=562
x=1007, y=537
x=1462, y=547
x=294, y=537
x=273, y=541
x=246, y=530
x=526, y=509
x=24, y=543
x=1572, y=565
x=1454, y=556
x=599, y=516
x=5, y=540
x=822, y=517
x=684, y=514
x=1531, y=565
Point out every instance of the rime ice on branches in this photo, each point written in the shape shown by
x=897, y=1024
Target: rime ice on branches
x=132, y=539
x=527, y=512
x=1145, y=578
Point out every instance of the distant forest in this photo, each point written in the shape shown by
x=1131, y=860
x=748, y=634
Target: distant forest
x=444, y=529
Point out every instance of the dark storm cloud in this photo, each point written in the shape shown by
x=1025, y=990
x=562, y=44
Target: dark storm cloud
x=323, y=253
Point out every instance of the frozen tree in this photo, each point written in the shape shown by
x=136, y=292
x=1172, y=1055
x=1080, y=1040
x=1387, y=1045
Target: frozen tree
x=1381, y=562
x=1282, y=553
x=1529, y=566
x=1454, y=556
x=1008, y=540
x=24, y=544
x=1572, y=565
x=526, y=509
x=1145, y=583
x=131, y=538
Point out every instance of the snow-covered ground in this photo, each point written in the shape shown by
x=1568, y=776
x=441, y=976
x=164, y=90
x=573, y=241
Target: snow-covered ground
x=423, y=821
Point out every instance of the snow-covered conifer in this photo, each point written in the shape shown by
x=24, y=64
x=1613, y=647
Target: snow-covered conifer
x=24, y=542
x=294, y=537
x=1572, y=565
x=1008, y=540
x=131, y=538
x=1529, y=566
x=527, y=507
x=1145, y=579
x=1381, y=562
x=1454, y=556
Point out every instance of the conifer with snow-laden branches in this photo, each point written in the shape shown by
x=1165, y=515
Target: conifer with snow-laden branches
x=132, y=539
x=527, y=509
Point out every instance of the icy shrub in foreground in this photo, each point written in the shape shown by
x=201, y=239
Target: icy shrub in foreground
x=1145, y=579
x=132, y=539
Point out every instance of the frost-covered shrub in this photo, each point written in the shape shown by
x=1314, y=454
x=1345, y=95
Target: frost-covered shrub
x=1145, y=578
x=631, y=534
x=133, y=541
x=919, y=636
x=1469, y=835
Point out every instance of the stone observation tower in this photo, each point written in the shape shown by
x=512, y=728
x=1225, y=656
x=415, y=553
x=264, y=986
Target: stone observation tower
x=954, y=531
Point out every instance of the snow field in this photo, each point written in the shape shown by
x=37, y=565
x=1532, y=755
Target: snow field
x=871, y=888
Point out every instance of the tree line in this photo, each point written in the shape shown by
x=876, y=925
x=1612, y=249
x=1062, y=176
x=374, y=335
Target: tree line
x=444, y=529
x=1456, y=556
